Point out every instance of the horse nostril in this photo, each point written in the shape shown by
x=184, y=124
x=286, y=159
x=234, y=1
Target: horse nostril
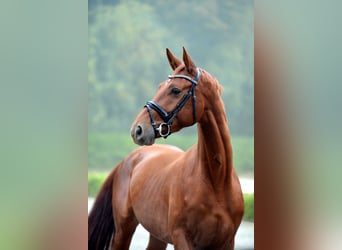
x=138, y=130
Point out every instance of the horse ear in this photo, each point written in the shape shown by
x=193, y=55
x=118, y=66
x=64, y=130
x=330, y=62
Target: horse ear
x=189, y=64
x=173, y=61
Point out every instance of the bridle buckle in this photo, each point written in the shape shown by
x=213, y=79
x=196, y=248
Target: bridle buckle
x=161, y=127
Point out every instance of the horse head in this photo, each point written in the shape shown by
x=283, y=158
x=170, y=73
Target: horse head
x=178, y=103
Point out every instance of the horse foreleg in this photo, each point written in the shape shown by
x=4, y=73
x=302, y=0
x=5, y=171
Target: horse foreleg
x=155, y=244
x=180, y=241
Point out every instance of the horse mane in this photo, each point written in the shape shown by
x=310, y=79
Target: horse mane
x=207, y=77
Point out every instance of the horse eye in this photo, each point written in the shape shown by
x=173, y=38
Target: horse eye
x=175, y=91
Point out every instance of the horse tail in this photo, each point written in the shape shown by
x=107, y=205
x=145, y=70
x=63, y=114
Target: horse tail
x=100, y=220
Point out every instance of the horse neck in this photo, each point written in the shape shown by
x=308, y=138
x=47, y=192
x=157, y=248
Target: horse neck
x=214, y=145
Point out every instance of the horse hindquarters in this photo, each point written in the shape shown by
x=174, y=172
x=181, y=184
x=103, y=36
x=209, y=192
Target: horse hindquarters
x=100, y=220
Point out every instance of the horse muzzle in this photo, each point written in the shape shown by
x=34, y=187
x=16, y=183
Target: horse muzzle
x=143, y=134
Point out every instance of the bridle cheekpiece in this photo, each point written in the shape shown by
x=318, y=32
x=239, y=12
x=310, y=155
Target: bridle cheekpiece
x=168, y=117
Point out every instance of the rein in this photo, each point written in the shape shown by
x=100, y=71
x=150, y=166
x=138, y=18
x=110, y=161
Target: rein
x=168, y=117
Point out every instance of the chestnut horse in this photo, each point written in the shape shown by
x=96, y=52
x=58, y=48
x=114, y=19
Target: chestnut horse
x=190, y=199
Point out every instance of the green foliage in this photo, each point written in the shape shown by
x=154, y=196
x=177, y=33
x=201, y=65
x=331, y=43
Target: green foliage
x=127, y=41
x=249, y=206
x=95, y=181
x=106, y=150
x=124, y=56
x=243, y=155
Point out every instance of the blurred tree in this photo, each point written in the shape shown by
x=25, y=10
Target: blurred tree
x=126, y=61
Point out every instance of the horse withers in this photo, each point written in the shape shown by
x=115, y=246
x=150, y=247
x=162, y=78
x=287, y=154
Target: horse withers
x=190, y=199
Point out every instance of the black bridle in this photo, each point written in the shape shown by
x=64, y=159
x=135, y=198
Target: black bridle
x=168, y=117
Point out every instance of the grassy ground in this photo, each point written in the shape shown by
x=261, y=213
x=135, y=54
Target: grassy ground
x=249, y=206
